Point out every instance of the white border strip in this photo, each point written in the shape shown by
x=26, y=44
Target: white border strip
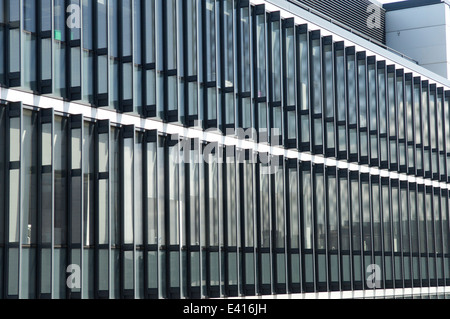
x=357, y=294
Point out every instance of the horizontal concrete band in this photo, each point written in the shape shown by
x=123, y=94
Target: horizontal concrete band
x=88, y=112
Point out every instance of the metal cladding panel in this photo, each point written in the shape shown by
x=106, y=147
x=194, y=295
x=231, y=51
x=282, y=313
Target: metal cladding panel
x=353, y=14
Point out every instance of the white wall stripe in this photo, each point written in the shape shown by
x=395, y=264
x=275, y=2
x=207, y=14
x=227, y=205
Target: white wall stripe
x=14, y=95
x=378, y=293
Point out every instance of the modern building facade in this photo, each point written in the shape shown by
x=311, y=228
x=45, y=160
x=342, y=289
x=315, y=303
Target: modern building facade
x=215, y=149
x=420, y=29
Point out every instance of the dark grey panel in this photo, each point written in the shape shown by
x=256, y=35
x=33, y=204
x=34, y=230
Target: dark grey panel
x=353, y=14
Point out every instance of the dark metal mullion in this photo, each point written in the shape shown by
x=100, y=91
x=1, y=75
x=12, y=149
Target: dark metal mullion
x=39, y=46
x=397, y=118
x=188, y=213
x=448, y=228
x=255, y=104
x=396, y=184
x=52, y=244
x=446, y=95
x=383, y=252
x=415, y=130
x=206, y=249
x=425, y=86
x=220, y=56
x=241, y=250
x=97, y=177
x=400, y=219
x=419, y=130
x=269, y=81
x=442, y=243
x=143, y=80
x=338, y=222
x=411, y=253
x=17, y=106
x=12, y=79
x=405, y=122
x=287, y=209
x=225, y=216
x=391, y=226
x=387, y=183
x=335, y=119
x=251, y=160
x=441, y=135
x=443, y=194
x=419, y=228
x=121, y=81
x=348, y=51
x=4, y=43
x=123, y=247
x=372, y=222
x=433, y=253
x=69, y=192
x=408, y=77
x=313, y=222
x=371, y=232
x=350, y=226
x=124, y=105
x=239, y=121
x=333, y=172
x=167, y=187
x=413, y=187
x=258, y=228
x=164, y=19
x=73, y=93
x=339, y=46
x=300, y=223
x=290, y=143
x=273, y=217
x=427, y=248
x=361, y=219
x=39, y=210
x=378, y=125
x=434, y=127
x=96, y=219
x=286, y=216
x=203, y=82
x=371, y=131
x=366, y=113
x=408, y=208
x=21, y=182
x=67, y=55
x=391, y=70
x=7, y=200
x=145, y=207
x=185, y=64
x=433, y=226
x=325, y=220
x=95, y=47
x=316, y=35
x=5, y=159
x=381, y=69
x=308, y=92
x=285, y=115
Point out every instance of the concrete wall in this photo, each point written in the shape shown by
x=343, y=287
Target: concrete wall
x=422, y=33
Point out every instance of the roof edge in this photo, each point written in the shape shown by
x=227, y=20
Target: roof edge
x=401, y=5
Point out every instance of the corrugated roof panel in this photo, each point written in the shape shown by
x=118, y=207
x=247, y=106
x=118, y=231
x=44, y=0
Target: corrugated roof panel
x=355, y=14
